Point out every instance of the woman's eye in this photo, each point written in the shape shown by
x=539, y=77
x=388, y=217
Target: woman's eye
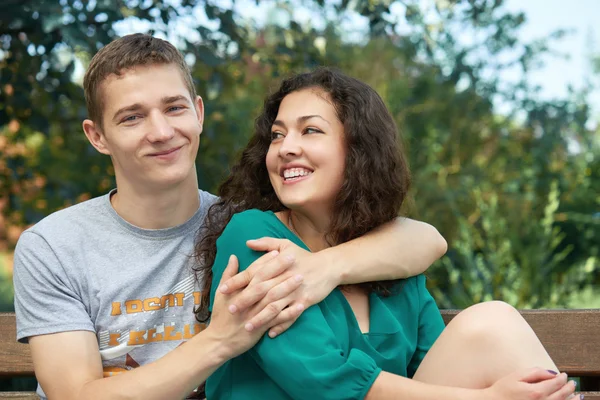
x=312, y=130
x=276, y=135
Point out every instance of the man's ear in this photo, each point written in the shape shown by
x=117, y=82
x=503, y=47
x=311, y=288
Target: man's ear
x=95, y=136
x=199, y=105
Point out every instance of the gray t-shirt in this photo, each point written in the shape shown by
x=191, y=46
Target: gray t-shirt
x=86, y=268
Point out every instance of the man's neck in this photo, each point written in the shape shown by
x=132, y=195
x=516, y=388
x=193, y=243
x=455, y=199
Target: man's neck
x=156, y=209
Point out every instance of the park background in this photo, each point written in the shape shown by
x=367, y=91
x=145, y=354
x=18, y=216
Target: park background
x=499, y=115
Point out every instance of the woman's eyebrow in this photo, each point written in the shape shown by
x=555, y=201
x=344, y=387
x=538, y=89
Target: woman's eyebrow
x=307, y=117
x=299, y=120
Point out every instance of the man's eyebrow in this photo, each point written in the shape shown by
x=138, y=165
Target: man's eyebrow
x=138, y=106
x=133, y=107
x=301, y=119
x=174, y=99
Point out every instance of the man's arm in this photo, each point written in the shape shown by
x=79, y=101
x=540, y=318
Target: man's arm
x=68, y=364
x=399, y=249
x=396, y=250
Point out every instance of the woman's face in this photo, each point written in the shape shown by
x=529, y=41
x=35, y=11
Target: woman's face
x=307, y=154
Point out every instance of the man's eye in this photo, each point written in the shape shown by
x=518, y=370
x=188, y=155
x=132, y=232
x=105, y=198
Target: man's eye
x=175, y=108
x=130, y=118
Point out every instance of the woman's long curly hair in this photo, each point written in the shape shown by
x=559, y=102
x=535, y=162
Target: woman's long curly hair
x=376, y=176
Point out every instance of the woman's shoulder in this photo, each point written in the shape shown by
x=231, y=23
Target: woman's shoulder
x=253, y=223
x=411, y=284
x=253, y=216
x=409, y=289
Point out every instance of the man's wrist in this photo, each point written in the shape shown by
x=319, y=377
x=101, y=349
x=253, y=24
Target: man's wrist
x=333, y=267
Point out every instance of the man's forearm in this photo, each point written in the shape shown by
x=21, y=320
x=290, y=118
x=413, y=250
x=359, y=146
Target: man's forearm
x=396, y=250
x=174, y=376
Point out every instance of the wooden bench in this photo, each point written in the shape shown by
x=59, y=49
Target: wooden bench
x=572, y=337
x=15, y=358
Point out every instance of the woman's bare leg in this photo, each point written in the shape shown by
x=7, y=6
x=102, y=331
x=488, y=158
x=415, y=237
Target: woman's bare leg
x=480, y=345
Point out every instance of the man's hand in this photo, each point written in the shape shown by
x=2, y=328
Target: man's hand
x=241, y=330
x=284, y=261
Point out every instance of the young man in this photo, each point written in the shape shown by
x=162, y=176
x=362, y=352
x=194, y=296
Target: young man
x=106, y=286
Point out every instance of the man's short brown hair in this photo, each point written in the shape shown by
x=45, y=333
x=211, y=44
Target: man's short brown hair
x=125, y=53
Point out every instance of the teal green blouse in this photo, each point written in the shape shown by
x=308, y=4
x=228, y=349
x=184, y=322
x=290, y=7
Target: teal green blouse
x=323, y=355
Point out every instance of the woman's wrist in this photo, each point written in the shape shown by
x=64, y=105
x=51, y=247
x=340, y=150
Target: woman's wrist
x=213, y=346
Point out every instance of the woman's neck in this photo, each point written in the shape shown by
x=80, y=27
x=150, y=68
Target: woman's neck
x=310, y=229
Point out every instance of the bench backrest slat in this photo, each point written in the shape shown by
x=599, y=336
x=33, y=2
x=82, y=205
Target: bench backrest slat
x=15, y=358
x=19, y=395
x=572, y=337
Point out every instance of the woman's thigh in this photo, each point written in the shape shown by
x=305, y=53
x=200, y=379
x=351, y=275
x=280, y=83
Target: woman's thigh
x=482, y=344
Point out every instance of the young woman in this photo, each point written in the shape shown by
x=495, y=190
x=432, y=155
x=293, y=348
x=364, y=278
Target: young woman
x=325, y=166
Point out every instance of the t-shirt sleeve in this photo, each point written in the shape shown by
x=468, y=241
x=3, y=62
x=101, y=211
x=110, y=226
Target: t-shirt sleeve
x=431, y=325
x=307, y=358
x=45, y=300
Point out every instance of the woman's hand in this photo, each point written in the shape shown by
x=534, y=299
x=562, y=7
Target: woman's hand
x=284, y=261
x=533, y=383
x=236, y=331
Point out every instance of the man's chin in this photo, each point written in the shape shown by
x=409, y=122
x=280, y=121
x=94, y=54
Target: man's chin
x=171, y=181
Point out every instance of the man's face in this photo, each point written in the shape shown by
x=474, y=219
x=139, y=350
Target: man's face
x=150, y=127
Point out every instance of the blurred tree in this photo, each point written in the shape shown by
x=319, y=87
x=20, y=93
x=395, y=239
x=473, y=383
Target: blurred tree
x=516, y=194
x=46, y=162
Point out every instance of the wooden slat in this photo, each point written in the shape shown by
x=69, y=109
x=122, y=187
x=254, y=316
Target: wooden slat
x=19, y=395
x=15, y=358
x=591, y=395
x=572, y=337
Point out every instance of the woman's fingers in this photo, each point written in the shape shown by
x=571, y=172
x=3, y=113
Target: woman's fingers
x=274, y=303
x=535, y=375
x=557, y=388
x=286, y=319
x=231, y=269
x=243, y=279
x=264, y=279
x=565, y=392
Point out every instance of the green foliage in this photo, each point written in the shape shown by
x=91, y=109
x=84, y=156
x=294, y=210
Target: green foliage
x=526, y=270
x=6, y=287
x=517, y=196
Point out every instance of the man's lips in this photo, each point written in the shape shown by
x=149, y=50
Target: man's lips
x=166, y=152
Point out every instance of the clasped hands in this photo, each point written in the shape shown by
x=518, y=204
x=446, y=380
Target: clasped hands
x=279, y=285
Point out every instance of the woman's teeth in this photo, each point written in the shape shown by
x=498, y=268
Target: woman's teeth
x=295, y=173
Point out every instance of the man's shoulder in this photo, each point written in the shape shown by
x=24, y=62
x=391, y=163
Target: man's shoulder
x=72, y=218
x=206, y=199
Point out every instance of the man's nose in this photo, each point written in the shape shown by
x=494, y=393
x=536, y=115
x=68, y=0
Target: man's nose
x=160, y=127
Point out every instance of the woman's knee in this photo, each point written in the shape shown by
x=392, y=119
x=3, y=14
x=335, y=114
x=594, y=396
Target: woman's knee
x=486, y=320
